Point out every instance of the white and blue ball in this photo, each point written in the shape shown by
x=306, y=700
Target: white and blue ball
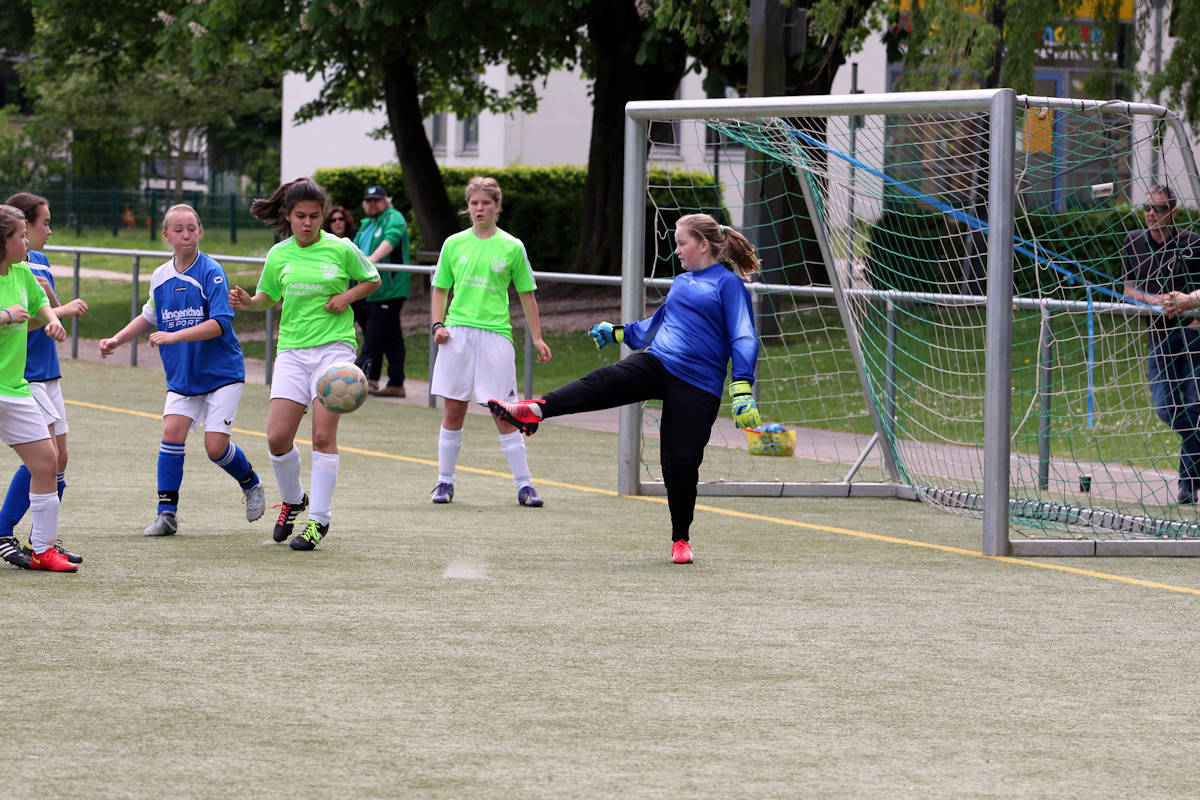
x=342, y=388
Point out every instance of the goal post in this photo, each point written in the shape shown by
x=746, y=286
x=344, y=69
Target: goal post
x=935, y=264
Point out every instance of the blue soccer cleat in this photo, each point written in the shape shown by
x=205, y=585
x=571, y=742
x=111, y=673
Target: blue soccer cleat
x=528, y=497
x=443, y=493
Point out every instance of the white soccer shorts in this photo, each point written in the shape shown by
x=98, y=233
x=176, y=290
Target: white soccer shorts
x=216, y=410
x=21, y=421
x=475, y=363
x=297, y=371
x=49, y=397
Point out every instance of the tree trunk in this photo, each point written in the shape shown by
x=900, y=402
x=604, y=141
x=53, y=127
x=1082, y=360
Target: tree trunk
x=423, y=183
x=615, y=31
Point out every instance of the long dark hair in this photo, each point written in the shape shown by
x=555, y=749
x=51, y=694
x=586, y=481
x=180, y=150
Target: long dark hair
x=275, y=209
x=28, y=204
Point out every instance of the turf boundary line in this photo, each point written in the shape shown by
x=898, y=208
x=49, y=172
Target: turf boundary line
x=714, y=510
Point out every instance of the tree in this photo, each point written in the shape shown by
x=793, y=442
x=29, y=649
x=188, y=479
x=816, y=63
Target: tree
x=411, y=59
x=1181, y=70
x=716, y=33
x=151, y=103
x=629, y=59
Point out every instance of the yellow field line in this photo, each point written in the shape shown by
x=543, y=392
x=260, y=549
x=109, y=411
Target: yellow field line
x=721, y=511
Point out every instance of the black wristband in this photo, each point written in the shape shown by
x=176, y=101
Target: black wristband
x=434, y=327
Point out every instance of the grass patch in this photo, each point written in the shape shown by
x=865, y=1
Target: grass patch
x=485, y=650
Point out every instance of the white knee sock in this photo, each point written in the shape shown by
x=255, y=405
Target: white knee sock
x=449, y=443
x=513, y=445
x=324, y=479
x=43, y=510
x=287, y=475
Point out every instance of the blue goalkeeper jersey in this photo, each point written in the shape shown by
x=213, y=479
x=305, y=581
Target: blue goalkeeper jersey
x=41, y=352
x=706, y=320
x=186, y=299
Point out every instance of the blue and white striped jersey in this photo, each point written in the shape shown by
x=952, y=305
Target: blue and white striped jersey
x=185, y=299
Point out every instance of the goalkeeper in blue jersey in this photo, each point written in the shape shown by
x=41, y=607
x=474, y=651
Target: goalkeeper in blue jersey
x=686, y=347
x=189, y=312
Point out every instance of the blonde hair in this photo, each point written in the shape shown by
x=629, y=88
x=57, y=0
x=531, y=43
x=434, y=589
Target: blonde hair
x=180, y=207
x=489, y=186
x=11, y=218
x=727, y=244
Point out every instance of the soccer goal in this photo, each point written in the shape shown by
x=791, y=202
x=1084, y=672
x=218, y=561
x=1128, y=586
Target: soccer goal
x=941, y=312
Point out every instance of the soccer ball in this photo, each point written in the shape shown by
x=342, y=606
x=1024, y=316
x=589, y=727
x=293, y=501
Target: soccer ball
x=342, y=388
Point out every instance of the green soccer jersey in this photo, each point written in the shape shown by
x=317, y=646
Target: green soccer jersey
x=305, y=278
x=17, y=288
x=387, y=227
x=480, y=271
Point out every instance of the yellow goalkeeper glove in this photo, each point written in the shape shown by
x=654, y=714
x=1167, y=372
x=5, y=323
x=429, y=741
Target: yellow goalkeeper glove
x=745, y=410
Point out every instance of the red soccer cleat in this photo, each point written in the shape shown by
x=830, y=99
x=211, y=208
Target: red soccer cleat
x=51, y=561
x=521, y=414
x=681, y=552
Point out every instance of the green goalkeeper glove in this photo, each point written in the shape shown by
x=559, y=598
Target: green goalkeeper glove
x=606, y=333
x=745, y=410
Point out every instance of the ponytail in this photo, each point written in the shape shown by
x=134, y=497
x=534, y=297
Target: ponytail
x=727, y=244
x=275, y=209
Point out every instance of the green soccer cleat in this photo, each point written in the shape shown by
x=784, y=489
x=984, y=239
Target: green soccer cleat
x=310, y=536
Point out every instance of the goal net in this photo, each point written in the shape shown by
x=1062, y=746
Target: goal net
x=942, y=311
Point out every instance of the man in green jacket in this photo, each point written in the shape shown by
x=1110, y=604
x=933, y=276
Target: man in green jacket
x=383, y=237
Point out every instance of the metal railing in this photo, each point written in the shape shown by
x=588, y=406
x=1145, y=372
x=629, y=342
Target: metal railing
x=136, y=298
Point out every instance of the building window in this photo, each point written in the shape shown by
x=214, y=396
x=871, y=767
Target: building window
x=664, y=136
x=468, y=139
x=436, y=129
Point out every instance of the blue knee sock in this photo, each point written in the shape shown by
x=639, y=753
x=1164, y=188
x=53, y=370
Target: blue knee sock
x=170, y=476
x=16, y=502
x=234, y=462
x=62, y=484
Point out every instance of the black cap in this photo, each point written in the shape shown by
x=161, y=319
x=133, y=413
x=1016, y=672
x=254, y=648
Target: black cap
x=375, y=192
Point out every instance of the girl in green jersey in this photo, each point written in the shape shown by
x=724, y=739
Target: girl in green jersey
x=311, y=271
x=21, y=424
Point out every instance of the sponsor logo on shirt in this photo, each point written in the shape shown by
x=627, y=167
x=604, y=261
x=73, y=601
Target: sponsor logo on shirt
x=181, y=317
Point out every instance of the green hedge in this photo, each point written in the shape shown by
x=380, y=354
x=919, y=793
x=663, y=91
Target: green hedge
x=543, y=206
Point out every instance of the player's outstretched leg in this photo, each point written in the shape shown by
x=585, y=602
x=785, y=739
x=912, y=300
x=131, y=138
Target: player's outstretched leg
x=524, y=415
